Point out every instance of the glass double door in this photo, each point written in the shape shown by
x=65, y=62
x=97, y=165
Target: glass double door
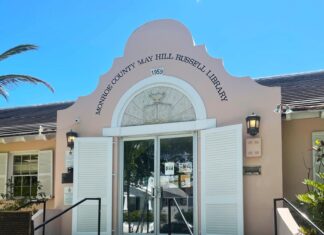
x=157, y=175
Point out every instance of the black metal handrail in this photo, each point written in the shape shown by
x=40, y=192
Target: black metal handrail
x=70, y=208
x=296, y=210
x=180, y=212
x=36, y=201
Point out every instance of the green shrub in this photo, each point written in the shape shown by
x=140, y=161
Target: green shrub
x=136, y=216
x=314, y=198
x=10, y=202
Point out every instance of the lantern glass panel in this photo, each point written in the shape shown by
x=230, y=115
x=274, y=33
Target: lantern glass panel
x=70, y=138
x=252, y=123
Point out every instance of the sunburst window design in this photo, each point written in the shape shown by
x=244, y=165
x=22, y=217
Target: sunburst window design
x=158, y=105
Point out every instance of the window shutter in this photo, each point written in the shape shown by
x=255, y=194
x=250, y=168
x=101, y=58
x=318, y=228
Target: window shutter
x=45, y=172
x=222, y=181
x=92, y=178
x=3, y=172
x=316, y=164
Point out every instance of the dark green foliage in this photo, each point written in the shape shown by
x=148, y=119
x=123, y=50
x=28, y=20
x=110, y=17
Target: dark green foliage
x=176, y=227
x=138, y=165
x=11, y=203
x=137, y=216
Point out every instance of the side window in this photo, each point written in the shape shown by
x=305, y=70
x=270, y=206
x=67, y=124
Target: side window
x=25, y=171
x=318, y=161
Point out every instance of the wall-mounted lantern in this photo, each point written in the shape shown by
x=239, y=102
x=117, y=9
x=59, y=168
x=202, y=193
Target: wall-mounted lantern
x=253, y=124
x=70, y=137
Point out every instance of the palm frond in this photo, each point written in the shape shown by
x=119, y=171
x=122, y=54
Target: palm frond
x=3, y=93
x=16, y=78
x=16, y=50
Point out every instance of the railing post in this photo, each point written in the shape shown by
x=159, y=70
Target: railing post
x=44, y=215
x=99, y=214
x=275, y=215
x=169, y=216
x=70, y=208
x=32, y=227
x=36, y=201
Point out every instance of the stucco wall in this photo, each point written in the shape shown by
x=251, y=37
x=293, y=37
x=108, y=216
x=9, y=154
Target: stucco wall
x=243, y=94
x=51, y=228
x=297, y=153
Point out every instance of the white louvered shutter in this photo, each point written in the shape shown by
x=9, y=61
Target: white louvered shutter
x=45, y=172
x=316, y=135
x=222, y=181
x=92, y=178
x=3, y=172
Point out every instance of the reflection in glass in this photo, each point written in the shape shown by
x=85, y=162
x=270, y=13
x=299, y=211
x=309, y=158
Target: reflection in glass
x=33, y=166
x=25, y=169
x=176, y=180
x=138, y=215
x=17, y=163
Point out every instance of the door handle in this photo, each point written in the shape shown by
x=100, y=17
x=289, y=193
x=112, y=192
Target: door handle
x=153, y=192
x=157, y=192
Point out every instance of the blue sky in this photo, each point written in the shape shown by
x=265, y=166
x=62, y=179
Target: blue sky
x=79, y=39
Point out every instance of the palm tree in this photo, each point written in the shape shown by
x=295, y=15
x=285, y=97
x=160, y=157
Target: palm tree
x=8, y=79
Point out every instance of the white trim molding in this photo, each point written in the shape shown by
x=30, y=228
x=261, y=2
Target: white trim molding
x=304, y=114
x=160, y=128
x=154, y=81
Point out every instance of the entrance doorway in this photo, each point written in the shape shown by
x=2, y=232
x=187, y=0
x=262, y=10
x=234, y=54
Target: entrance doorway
x=156, y=171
